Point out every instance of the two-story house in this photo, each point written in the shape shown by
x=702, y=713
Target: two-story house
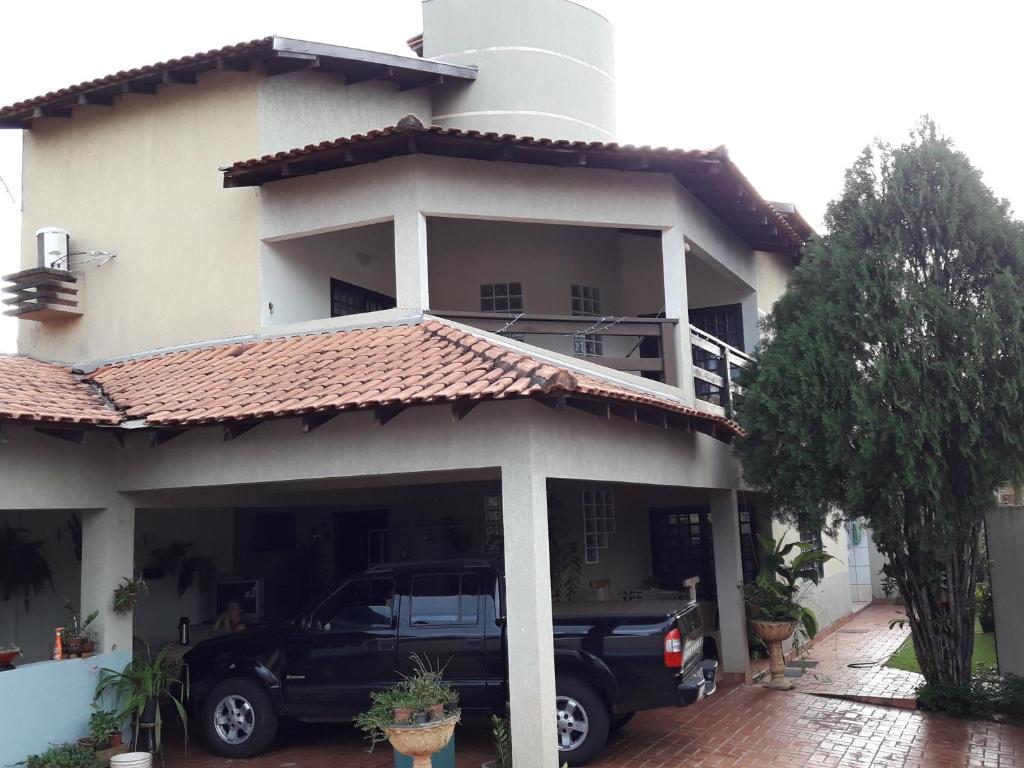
x=310, y=308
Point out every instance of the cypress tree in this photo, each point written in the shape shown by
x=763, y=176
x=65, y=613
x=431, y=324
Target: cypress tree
x=890, y=383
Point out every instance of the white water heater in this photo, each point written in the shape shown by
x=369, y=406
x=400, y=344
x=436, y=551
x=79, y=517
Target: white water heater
x=547, y=67
x=53, y=245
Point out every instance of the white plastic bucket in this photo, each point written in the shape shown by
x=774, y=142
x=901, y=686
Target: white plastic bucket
x=132, y=760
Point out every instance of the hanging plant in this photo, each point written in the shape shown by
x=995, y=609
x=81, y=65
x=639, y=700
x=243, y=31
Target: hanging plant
x=126, y=595
x=175, y=558
x=24, y=569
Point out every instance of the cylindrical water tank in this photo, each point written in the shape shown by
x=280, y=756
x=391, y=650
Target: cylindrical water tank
x=546, y=67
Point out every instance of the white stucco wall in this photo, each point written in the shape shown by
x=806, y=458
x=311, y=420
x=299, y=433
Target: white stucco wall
x=140, y=178
x=308, y=107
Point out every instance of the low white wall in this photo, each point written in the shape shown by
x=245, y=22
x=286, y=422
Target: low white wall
x=49, y=703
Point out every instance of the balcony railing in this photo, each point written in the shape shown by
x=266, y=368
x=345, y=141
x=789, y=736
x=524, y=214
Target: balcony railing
x=652, y=353
x=717, y=366
x=717, y=369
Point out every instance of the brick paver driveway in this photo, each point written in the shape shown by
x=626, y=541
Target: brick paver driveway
x=739, y=726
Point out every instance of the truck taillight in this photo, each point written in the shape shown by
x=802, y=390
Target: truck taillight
x=674, y=649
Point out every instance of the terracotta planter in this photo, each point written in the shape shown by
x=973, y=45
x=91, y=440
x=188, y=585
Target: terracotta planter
x=6, y=657
x=402, y=715
x=421, y=741
x=774, y=634
x=436, y=712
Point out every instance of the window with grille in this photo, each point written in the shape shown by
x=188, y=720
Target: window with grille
x=349, y=299
x=813, y=535
x=586, y=302
x=501, y=297
x=598, y=522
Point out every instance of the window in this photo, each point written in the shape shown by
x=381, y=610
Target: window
x=813, y=536
x=444, y=599
x=349, y=299
x=501, y=297
x=598, y=522
x=358, y=604
x=586, y=302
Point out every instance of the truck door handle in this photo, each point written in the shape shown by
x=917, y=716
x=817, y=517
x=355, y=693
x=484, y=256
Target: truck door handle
x=386, y=645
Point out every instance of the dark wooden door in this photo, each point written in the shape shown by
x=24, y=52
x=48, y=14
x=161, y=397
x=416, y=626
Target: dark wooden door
x=682, y=547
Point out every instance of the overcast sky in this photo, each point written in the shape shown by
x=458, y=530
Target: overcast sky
x=794, y=90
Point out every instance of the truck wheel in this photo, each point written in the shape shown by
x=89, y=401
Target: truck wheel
x=238, y=718
x=582, y=721
x=620, y=721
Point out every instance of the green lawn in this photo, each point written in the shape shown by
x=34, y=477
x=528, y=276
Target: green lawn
x=984, y=653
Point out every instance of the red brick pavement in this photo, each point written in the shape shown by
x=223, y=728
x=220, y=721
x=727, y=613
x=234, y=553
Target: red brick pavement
x=865, y=640
x=741, y=726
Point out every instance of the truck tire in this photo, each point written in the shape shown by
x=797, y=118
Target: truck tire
x=238, y=718
x=620, y=721
x=582, y=721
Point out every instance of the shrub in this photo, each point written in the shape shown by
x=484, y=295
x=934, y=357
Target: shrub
x=64, y=756
x=987, y=694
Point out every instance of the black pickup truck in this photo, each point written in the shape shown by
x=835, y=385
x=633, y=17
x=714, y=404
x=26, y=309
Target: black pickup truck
x=611, y=659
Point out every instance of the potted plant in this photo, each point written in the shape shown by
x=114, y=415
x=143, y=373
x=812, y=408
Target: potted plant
x=774, y=599
x=501, y=739
x=78, y=638
x=126, y=595
x=8, y=653
x=418, y=715
x=983, y=605
x=140, y=688
x=105, y=728
x=24, y=569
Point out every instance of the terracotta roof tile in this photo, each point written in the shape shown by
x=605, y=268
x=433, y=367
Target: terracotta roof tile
x=721, y=192
x=429, y=361
x=34, y=391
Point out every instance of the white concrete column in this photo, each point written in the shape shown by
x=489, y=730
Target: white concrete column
x=734, y=655
x=673, y=265
x=411, y=274
x=108, y=555
x=531, y=660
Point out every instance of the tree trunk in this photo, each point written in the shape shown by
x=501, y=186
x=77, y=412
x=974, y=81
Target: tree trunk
x=939, y=598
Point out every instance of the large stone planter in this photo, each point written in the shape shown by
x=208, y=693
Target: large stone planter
x=774, y=634
x=421, y=741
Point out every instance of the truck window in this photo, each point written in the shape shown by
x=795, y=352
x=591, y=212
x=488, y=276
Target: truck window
x=444, y=599
x=358, y=603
